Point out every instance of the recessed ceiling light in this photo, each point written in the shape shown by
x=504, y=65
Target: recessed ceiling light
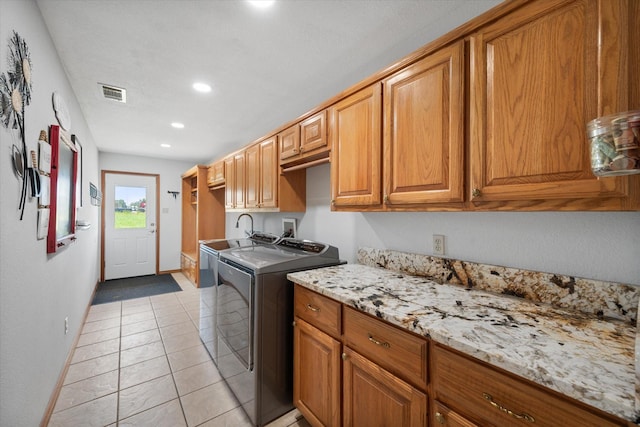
x=177, y=125
x=262, y=4
x=165, y=145
x=202, y=87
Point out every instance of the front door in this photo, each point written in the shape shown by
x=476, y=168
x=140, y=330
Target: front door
x=130, y=227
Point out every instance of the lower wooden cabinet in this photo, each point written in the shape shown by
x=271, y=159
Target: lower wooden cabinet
x=374, y=397
x=352, y=369
x=489, y=396
x=399, y=352
x=316, y=382
x=334, y=385
x=189, y=266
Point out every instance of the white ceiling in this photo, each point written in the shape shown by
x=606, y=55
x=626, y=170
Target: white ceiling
x=266, y=67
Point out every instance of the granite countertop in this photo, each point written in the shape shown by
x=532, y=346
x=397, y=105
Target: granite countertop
x=576, y=354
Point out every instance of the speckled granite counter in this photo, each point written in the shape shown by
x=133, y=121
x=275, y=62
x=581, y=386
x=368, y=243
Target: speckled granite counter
x=574, y=353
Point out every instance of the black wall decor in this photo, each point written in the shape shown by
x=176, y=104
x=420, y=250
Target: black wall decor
x=15, y=94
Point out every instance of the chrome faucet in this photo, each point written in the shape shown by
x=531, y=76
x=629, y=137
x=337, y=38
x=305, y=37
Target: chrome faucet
x=238, y=222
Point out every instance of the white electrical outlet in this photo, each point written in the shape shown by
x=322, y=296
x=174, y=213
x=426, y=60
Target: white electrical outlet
x=66, y=325
x=438, y=244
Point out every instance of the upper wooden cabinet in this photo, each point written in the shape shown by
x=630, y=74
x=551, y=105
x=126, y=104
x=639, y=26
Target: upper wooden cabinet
x=289, y=140
x=538, y=75
x=235, y=180
x=215, y=174
x=491, y=116
x=313, y=133
x=424, y=130
x=262, y=174
x=355, y=135
x=252, y=176
x=229, y=189
x=494, y=117
x=253, y=181
x=268, y=173
x=305, y=141
x=420, y=159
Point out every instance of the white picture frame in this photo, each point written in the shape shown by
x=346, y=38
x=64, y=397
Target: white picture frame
x=44, y=163
x=289, y=228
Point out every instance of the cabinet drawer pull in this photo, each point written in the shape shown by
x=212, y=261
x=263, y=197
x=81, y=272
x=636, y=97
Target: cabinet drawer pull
x=522, y=416
x=440, y=418
x=376, y=342
x=313, y=308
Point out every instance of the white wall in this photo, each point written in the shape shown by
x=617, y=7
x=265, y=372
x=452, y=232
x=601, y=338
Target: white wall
x=170, y=224
x=38, y=291
x=593, y=245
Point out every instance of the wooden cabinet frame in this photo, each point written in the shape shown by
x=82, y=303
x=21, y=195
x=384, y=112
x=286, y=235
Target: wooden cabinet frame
x=203, y=218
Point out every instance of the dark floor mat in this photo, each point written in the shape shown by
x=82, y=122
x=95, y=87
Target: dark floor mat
x=134, y=287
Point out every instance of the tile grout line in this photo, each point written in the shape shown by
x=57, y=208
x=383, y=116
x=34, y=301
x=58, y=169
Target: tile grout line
x=166, y=355
x=119, y=368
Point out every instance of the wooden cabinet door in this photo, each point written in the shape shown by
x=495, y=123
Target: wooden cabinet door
x=215, y=174
x=445, y=417
x=374, y=397
x=355, y=135
x=268, y=173
x=252, y=176
x=289, y=142
x=313, y=132
x=538, y=76
x=424, y=130
x=316, y=375
x=239, y=180
x=230, y=187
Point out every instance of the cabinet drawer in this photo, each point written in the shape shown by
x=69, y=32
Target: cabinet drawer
x=398, y=351
x=490, y=397
x=318, y=310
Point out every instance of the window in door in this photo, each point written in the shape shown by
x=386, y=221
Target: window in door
x=130, y=207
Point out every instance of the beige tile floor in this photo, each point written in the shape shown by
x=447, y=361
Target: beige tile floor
x=141, y=363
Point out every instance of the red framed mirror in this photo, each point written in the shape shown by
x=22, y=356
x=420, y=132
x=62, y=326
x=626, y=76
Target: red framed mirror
x=64, y=166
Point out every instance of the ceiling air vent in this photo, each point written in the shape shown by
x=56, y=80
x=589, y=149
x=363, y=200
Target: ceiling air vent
x=114, y=93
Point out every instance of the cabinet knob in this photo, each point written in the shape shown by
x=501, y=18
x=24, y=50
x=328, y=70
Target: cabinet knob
x=440, y=418
x=295, y=150
x=476, y=192
x=385, y=198
x=293, y=323
x=344, y=356
x=301, y=149
x=333, y=202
